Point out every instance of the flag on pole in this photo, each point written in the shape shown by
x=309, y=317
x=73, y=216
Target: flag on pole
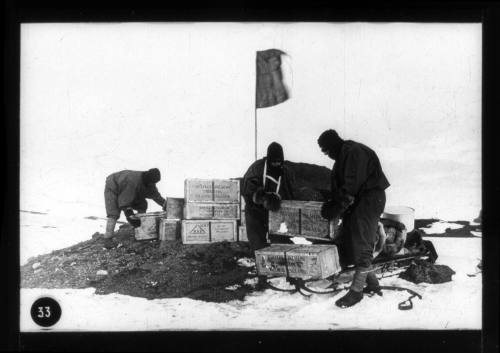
x=270, y=89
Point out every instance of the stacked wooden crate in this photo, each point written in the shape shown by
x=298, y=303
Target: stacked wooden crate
x=165, y=225
x=170, y=226
x=211, y=210
x=242, y=229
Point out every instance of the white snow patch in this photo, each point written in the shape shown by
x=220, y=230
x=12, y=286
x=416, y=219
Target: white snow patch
x=283, y=228
x=300, y=240
x=233, y=287
x=246, y=262
x=440, y=227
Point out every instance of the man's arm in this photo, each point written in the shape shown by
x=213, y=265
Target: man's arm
x=156, y=197
x=252, y=189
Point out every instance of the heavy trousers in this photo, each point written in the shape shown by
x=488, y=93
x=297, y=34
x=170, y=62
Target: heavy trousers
x=359, y=229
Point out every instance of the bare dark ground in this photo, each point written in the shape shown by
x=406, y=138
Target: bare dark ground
x=145, y=269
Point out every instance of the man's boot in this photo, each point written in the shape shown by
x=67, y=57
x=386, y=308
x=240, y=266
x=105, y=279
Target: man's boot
x=108, y=236
x=372, y=285
x=355, y=293
x=261, y=283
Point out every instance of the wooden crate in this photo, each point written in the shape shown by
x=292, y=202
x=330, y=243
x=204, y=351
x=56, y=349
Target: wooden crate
x=301, y=219
x=242, y=213
x=175, y=207
x=203, y=210
x=212, y=190
x=242, y=233
x=206, y=231
x=169, y=229
x=271, y=261
x=313, y=261
x=149, y=225
x=298, y=261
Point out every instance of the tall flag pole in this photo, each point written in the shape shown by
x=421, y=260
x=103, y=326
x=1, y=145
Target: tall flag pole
x=270, y=89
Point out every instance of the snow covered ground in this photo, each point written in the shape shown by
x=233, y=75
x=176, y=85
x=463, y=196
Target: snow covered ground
x=452, y=305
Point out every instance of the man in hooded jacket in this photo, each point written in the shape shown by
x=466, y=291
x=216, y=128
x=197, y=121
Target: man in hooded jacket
x=358, y=197
x=126, y=191
x=266, y=182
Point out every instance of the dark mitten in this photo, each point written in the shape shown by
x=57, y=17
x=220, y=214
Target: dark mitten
x=328, y=210
x=272, y=201
x=344, y=201
x=131, y=218
x=258, y=196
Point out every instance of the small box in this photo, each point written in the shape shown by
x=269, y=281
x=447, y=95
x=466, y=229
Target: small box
x=175, y=207
x=313, y=261
x=271, y=261
x=206, y=231
x=169, y=229
x=301, y=219
x=202, y=210
x=212, y=190
x=149, y=225
x=242, y=233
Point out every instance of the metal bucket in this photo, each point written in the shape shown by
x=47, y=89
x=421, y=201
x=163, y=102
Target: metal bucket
x=402, y=214
x=149, y=225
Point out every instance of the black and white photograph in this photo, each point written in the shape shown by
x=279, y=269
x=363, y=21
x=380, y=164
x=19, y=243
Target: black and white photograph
x=239, y=175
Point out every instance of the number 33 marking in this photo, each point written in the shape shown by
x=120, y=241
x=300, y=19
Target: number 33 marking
x=42, y=313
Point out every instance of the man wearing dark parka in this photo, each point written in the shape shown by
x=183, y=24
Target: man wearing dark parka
x=126, y=191
x=358, y=197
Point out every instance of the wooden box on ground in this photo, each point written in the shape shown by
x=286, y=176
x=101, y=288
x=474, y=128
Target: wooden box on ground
x=149, y=225
x=169, y=229
x=313, y=261
x=212, y=190
x=271, y=261
x=175, y=207
x=298, y=261
x=242, y=233
x=301, y=219
x=206, y=231
x=203, y=210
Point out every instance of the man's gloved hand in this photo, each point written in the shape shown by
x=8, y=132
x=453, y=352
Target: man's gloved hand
x=164, y=207
x=335, y=208
x=258, y=196
x=272, y=201
x=132, y=218
x=328, y=210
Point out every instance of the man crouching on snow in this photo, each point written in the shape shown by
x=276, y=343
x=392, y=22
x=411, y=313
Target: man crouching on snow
x=127, y=191
x=358, y=197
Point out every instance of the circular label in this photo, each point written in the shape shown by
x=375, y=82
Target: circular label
x=46, y=311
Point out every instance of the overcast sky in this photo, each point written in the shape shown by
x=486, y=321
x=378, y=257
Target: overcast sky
x=98, y=98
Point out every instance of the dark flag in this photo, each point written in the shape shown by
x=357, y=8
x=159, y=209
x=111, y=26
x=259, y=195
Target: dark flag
x=270, y=89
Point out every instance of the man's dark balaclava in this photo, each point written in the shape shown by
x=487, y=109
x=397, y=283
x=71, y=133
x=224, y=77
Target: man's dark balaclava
x=274, y=154
x=331, y=141
x=152, y=176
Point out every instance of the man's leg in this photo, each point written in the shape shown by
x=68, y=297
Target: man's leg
x=256, y=223
x=112, y=212
x=363, y=228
